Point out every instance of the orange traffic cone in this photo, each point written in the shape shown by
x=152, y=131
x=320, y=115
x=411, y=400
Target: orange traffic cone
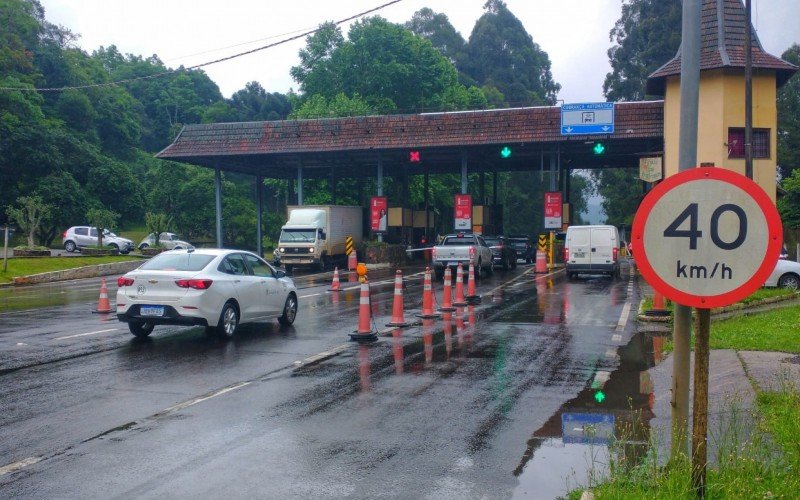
x=460, y=300
x=397, y=306
x=541, y=262
x=447, y=293
x=103, y=305
x=365, y=333
x=472, y=295
x=352, y=261
x=335, y=283
x=427, y=297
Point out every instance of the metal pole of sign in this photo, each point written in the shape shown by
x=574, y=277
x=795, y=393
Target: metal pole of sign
x=380, y=188
x=700, y=414
x=748, y=94
x=690, y=97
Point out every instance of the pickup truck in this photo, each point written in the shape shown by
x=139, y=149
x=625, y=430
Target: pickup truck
x=462, y=248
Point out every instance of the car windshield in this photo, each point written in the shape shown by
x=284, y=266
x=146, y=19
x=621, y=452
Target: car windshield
x=298, y=236
x=106, y=232
x=177, y=262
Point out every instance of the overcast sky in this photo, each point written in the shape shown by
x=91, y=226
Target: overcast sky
x=574, y=33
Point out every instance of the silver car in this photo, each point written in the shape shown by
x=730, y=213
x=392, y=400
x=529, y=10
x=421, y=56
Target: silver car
x=785, y=275
x=170, y=241
x=78, y=237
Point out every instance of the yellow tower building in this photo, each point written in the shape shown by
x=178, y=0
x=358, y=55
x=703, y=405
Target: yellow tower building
x=721, y=120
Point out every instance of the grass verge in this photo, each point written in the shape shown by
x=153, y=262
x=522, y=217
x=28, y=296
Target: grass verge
x=766, y=465
x=21, y=266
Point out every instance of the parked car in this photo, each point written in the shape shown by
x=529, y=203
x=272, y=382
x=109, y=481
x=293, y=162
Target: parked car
x=786, y=275
x=211, y=287
x=523, y=246
x=170, y=241
x=78, y=237
x=503, y=254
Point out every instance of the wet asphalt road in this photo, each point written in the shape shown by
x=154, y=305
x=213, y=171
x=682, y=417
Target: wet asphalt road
x=485, y=402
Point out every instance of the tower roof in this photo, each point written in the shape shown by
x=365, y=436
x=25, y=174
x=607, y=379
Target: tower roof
x=722, y=45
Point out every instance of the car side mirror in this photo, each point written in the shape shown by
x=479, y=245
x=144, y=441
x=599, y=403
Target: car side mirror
x=280, y=274
x=322, y=235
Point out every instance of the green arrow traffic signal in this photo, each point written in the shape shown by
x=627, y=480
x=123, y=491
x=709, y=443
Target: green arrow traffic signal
x=599, y=148
x=599, y=396
x=505, y=152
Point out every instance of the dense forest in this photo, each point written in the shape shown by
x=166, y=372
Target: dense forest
x=78, y=130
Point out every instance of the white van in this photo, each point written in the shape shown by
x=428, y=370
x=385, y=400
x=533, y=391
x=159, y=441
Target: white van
x=592, y=249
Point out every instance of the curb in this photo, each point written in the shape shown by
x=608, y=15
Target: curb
x=739, y=306
x=76, y=273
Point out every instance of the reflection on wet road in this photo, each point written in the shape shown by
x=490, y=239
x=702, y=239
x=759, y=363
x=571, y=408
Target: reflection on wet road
x=506, y=398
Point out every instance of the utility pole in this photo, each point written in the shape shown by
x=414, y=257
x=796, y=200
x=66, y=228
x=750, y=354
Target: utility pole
x=5, y=250
x=681, y=335
x=748, y=93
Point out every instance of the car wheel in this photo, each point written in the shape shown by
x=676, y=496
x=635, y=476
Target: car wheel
x=506, y=264
x=114, y=247
x=289, y=311
x=528, y=260
x=141, y=329
x=323, y=264
x=143, y=246
x=178, y=247
x=228, y=321
x=69, y=246
x=439, y=274
x=790, y=281
x=514, y=263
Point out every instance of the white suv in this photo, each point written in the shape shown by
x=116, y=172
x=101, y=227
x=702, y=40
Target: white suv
x=78, y=237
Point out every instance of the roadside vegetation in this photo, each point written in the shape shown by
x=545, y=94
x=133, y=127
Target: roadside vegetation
x=765, y=464
x=20, y=266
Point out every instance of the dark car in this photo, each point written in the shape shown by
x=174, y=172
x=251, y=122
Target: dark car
x=503, y=254
x=523, y=246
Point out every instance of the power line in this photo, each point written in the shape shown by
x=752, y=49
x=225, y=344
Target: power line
x=201, y=65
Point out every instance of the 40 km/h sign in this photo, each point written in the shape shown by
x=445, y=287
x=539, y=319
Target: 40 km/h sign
x=706, y=237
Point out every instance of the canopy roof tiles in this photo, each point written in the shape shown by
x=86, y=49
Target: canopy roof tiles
x=284, y=143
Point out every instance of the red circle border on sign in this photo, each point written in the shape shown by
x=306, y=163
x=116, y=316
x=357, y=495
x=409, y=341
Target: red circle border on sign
x=774, y=228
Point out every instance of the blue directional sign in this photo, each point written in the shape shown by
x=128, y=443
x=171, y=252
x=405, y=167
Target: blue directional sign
x=587, y=118
x=587, y=428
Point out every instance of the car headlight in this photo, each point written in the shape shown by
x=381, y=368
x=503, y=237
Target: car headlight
x=311, y=250
x=283, y=250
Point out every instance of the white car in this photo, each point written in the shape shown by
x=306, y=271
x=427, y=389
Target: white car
x=170, y=241
x=215, y=288
x=786, y=275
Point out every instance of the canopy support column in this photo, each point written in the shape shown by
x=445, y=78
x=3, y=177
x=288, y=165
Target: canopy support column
x=218, y=203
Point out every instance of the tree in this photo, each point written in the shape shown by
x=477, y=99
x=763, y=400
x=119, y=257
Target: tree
x=317, y=106
x=789, y=118
x=60, y=189
x=388, y=66
x=100, y=219
x=646, y=36
x=28, y=215
x=437, y=29
x=621, y=193
x=253, y=103
x=157, y=223
x=501, y=54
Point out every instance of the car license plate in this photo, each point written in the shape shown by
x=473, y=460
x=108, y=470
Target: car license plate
x=151, y=310
x=579, y=255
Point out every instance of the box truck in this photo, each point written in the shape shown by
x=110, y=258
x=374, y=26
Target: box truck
x=314, y=235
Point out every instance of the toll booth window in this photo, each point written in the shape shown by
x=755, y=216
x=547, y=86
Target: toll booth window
x=761, y=146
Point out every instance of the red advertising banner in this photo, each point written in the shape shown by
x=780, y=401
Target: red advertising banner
x=379, y=214
x=463, y=212
x=552, y=210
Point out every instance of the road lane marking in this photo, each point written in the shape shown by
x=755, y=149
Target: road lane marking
x=192, y=402
x=19, y=465
x=85, y=334
x=317, y=358
x=623, y=318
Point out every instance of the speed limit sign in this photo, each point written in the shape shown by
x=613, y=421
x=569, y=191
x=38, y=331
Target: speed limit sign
x=706, y=237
